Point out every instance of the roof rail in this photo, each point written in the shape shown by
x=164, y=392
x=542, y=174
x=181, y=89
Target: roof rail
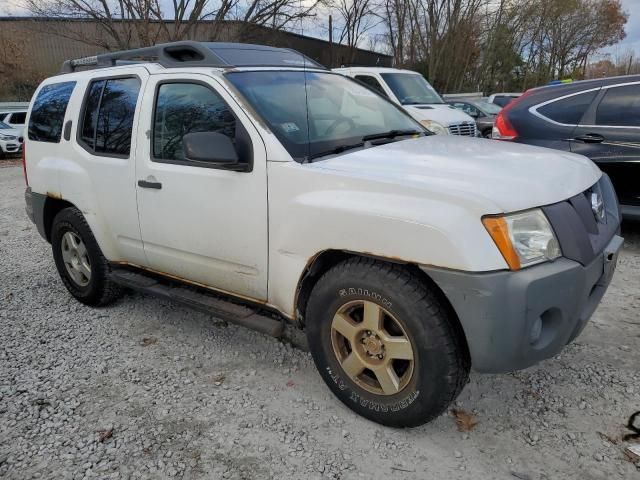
x=196, y=54
x=182, y=54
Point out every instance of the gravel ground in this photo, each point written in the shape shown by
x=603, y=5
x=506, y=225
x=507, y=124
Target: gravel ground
x=148, y=389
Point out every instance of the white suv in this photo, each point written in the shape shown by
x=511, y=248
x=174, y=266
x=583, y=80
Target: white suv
x=418, y=98
x=10, y=140
x=15, y=119
x=252, y=183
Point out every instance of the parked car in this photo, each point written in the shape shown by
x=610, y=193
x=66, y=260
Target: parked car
x=596, y=118
x=418, y=98
x=15, y=119
x=295, y=194
x=502, y=99
x=482, y=111
x=10, y=140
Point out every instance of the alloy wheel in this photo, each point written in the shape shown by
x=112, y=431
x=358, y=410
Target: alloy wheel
x=372, y=347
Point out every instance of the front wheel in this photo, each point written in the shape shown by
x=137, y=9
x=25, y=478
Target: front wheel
x=385, y=344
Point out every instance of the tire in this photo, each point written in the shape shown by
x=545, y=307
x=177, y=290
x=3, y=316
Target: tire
x=93, y=288
x=487, y=134
x=424, y=386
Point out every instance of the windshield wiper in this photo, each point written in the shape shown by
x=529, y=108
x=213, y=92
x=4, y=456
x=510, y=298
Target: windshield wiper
x=333, y=151
x=391, y=134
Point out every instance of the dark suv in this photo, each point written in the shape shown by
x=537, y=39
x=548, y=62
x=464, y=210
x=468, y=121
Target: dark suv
x=597, y=118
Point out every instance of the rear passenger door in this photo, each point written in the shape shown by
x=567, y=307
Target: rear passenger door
x=98, y=170
x=200, y=221
x=609, y=134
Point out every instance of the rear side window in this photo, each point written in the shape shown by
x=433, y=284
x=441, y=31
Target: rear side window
x=372, y=82
x=47, y=114
x=107, y=122
x=620, y=106
x=568, y=110
x=18, y=118
x=183, y=108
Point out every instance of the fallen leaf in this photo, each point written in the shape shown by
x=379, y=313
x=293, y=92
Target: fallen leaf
x=104, y=434
x=464, y=420
x=608, y=438
x=217, y=380
x=290, y=383
x=147, y=341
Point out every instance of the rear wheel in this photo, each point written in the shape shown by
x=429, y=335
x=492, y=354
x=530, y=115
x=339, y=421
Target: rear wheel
x=384, y=343
x=79, y=260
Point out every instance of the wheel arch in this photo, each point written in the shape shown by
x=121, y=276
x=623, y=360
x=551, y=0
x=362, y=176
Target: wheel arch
x=52, y=206
x=322, y=262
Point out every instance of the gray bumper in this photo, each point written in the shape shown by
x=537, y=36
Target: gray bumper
x=513, y=320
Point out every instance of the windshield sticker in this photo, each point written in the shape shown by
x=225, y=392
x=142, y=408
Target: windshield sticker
x=289, y=127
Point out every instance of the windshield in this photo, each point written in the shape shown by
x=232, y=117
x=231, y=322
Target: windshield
x=4, y=125
x=317, y=113
x=411, y=88
x=490, y=108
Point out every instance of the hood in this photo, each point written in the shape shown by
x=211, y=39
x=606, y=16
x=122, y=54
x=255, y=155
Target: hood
x=499, y=177
x=11, y=131
x=444, y=114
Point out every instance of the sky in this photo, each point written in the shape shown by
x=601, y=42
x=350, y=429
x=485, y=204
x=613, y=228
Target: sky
x=632, y=28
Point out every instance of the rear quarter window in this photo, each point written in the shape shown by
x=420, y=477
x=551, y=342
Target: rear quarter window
x=620, y=106
x=49, y=109
x=568, y=110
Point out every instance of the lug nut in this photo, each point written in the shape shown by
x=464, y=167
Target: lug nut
x=380, y=356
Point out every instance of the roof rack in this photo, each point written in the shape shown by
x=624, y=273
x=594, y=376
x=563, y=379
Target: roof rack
x=197, y=54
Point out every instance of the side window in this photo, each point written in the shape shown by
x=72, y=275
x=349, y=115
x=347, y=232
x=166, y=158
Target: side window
x=620, y=106
x=48, y=111
x=183, y=108
x=568, y=110
x=107, y=120
x=372, y=82
x=467, y=108
x=18, y=118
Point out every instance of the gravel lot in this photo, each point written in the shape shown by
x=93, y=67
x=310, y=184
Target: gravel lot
x=147, y=389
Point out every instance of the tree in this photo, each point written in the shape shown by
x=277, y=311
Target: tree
x=125, y=24
x=355, y=19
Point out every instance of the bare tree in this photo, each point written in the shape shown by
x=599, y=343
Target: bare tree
x=355, y=19
x=124, y=24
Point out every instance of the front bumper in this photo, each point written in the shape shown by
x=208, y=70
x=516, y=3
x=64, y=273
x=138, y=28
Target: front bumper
x=10, y=146
x=513, y=320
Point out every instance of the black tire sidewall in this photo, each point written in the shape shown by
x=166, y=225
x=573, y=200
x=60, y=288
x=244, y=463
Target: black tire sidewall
x=424, y=396
x=67, y=221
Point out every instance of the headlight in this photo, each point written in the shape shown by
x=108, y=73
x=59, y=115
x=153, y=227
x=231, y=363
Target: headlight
x=435, y=127
x=524, y=238
x=6, y=137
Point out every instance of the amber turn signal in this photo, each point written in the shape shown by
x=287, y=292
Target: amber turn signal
x=499, y=231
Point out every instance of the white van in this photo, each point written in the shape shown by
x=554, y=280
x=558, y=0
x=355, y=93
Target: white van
x=418, y=98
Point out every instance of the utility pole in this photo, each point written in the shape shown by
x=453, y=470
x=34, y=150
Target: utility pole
x=330, y=42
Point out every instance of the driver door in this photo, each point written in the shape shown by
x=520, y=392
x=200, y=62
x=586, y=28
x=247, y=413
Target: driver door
x=202, y=223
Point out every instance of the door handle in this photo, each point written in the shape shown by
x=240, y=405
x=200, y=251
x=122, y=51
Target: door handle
x=590, y=138
x=147, y=184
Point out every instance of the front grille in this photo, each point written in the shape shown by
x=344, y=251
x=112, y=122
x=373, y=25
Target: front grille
x=465, y=129
x=581, y=235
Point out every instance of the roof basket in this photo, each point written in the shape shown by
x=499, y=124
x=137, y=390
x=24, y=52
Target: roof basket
x=197, y=54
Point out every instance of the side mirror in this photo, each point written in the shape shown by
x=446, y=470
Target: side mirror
x=210, y=147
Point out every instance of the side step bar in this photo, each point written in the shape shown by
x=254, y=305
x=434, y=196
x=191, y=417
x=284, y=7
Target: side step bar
x=199, y=300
